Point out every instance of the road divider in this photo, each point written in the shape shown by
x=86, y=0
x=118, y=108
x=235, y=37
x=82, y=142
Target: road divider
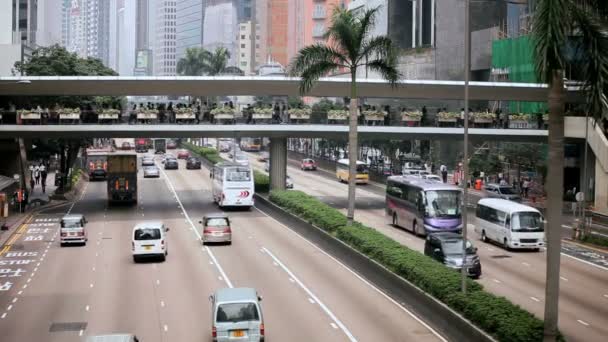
x=429, y=288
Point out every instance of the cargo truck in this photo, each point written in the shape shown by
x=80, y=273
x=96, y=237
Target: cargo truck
x=160, y=146
x=141, y=146
x=122, y=178
x=97, y=163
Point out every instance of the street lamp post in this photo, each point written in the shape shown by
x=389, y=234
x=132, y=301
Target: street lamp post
x=465, y=162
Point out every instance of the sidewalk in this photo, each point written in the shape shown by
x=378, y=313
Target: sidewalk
x=37, y=201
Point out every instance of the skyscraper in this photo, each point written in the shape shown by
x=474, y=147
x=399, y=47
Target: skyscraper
x=87, y=28
x=143, y=53
x=165, y=43
x=277, y=22
x=189, y=29
x=220, y=25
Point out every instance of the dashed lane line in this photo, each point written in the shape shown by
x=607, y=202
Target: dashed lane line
x=583, y=322
x=313, y=296
x=535, y=299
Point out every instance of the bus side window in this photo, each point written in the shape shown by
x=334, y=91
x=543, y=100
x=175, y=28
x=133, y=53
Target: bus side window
x=508, y=222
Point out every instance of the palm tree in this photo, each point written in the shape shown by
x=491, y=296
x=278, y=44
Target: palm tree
x=559, y=26
x=193, y=63
x=216, y=62
x=350, y=47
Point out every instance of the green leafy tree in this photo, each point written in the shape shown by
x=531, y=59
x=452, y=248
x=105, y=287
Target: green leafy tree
x=350, y=47
x=557, y=25
x=193, y=63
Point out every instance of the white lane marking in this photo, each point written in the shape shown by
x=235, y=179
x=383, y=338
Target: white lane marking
x=15, y=300
x=86, y=308
x=80, y=332
x=38, y=264
x=584, y=261
x=291, y=280
x=401, y=306
x=157, y=282
x=210, y=262
x=312, y=295
x=30, y=279
x=25, y=286
x=3, y=315
x=91, y=285
x=583, y=322
x=185, y=213
x=525, y=264
x=35, y=269
x=20, y=292
x=93, y=269
x=162, y=304
x=535, y=299
x=606, y=296
x=165, y=328
x=563, y=278
x=81, y=196
x=496, y=281
x=220, y=278
x=333, y=325
x=9, y=307
x=566, y=226
x=312, y=301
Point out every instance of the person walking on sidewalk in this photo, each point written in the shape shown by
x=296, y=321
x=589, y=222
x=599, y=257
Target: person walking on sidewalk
x=43, y=174
x=37, y=174
x=444, y=173
x=525, y=186
x=32, y=184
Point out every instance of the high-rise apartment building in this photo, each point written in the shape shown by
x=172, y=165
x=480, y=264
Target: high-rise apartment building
x=245, y=58
x=165, y=46
x=220, y=25
x=189, y=30
x=317, y=17
x=86, y=28
x=277, y=28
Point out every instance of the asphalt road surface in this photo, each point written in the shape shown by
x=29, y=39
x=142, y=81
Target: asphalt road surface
x=517, y=275
x=50, y=293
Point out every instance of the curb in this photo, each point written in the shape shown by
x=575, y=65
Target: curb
x=435, y=313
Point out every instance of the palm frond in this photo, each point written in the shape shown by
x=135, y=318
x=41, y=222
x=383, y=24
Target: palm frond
x=593, y=33
x=313, y=73
x=377, y=47
x=367, y=22
x=386, y=68
x=315, y=54
x=344, y=32
x=549, y=33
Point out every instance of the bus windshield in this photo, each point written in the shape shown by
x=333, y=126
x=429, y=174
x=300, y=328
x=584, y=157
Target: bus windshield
x=364, y=169
x=238, y=174
x=526, y=222
x=442, y=203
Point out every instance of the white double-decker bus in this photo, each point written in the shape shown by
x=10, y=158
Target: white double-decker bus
x=232, y=185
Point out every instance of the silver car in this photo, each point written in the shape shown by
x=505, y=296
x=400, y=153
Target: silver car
x=236, y=314
x=216, y=228
x=502, y=191
x=151, y=171
x=147, y=161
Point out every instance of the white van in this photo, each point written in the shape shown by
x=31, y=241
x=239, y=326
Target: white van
x=149, y=239
x=510, y=224
x=73, y=230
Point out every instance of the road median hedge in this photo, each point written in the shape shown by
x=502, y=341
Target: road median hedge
x=495, y=315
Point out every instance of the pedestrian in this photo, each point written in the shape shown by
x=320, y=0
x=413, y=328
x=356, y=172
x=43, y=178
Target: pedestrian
x=503, y=182
x=444, y=173
x=37, y=174
x=526, y=185
x=32, y=183
x=43, y=174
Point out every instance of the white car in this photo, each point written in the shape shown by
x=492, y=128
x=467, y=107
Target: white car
x=147, y=161
x=149, y=239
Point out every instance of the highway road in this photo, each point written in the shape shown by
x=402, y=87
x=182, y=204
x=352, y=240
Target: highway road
x=49, y=293
x=517, y=275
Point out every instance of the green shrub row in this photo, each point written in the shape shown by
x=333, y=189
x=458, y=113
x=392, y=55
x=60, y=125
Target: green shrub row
x=497, y=316
x=261, y=182
x=595, y=240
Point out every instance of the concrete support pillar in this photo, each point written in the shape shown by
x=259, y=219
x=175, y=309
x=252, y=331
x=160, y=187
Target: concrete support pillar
x=278, y=163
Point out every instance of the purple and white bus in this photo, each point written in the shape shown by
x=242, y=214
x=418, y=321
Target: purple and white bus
x=423, y=206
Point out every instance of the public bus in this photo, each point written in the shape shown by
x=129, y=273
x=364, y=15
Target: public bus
x=251, y=144
x=423, y=206
x=342, y=173
x=232, y=185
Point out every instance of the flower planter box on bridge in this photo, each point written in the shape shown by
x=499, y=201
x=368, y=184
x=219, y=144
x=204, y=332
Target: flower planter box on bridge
x=519, y=121
x=447, y=118
x=147, y=115
x=72, y=116
x=109, y=115
x=297, y=114
x=261, y=116
x=337, y=115
x=185, y=116
x=374, y=117
x=411, y=118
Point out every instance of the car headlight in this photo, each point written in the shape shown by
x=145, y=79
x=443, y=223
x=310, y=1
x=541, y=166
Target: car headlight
x=452, y=263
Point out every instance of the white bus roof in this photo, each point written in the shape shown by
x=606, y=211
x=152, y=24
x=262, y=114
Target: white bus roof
x=345, y=162
x=425, y=184
x=505, y=205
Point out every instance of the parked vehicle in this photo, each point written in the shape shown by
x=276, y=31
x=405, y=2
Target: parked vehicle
x=193, y=163
x=510, y=224
x=151, y=171
x=160, y=146
x=423, y=206
x=236, y=314
x=183, y=154
x=232, y=185
x=122, y=178
x=149, y=239
x=216, y=228
x=171, y=164
x=73, y=230
x=308, y=164
x=97, y=164
x=504, y=192
x=446, y=248
x=342, y=171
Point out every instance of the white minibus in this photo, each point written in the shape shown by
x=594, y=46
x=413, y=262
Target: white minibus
x=511, y=224
x=232, y=185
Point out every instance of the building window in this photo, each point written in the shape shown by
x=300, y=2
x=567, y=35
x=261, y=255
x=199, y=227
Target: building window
x=242, y=46
x=242, y=36
x=244, y=64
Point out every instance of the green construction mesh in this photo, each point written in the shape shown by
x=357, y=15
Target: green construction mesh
x=516, y=55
